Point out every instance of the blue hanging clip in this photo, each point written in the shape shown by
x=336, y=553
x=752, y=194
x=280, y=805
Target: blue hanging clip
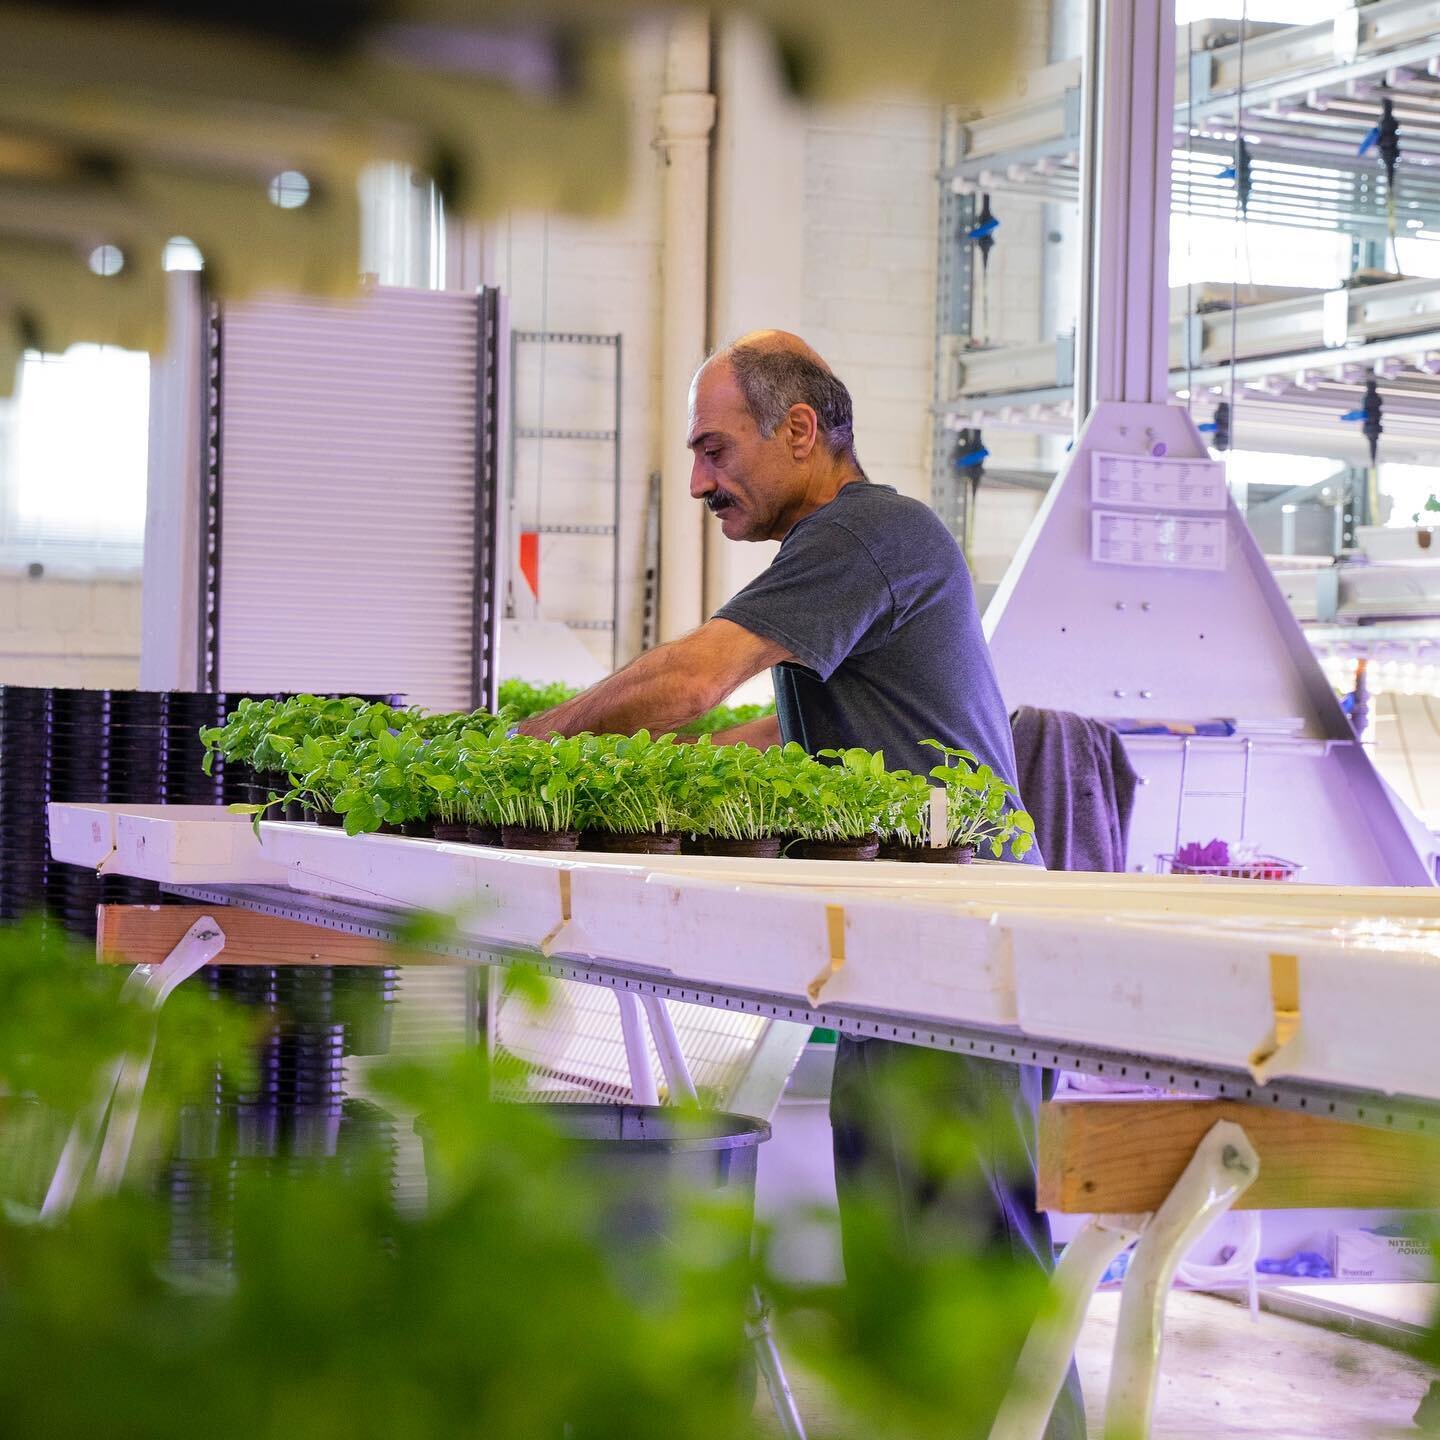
x=971, y=458
x=1371, y=140
x=985, y=227
x=1353, y=415
x=1228, y=173
x=1208, y=428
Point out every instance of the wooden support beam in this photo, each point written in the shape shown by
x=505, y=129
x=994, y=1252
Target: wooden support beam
x=1117, y=1157
x=146, y=934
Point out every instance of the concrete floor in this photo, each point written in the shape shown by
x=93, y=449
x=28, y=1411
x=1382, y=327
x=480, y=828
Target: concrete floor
x=1222, y=1375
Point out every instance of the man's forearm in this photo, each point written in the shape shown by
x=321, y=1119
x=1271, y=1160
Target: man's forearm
x=651, y=693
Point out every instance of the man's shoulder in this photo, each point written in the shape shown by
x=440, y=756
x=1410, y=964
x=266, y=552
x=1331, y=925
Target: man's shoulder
x=885, y=521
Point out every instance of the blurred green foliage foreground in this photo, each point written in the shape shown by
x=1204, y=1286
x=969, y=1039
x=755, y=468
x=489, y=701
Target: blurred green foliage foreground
x=504, y=1309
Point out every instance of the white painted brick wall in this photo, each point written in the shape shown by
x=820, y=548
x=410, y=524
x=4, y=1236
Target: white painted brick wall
x=73, y=632
x=593, y=276
x=869, y=220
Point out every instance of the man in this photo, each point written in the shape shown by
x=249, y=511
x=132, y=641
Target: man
x=867, y=619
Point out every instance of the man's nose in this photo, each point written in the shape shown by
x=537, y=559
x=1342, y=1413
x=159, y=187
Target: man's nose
x=701, y=483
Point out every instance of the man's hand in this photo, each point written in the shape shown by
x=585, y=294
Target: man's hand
x=761, y=733
x=667, y=686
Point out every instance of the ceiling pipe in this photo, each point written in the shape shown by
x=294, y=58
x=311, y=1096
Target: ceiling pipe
x=687, y=117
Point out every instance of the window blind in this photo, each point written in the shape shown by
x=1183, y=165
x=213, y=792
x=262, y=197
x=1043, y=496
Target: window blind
x=348, y=436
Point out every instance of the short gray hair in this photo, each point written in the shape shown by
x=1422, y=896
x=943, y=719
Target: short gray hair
x=772, y=380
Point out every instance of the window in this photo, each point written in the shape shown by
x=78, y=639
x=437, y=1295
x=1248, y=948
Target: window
x=1407, y=488
x=74, y=446
x=1283, y=12
x=1209, y=249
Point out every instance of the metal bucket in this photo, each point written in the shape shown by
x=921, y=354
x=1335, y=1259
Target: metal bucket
x=640, y=1156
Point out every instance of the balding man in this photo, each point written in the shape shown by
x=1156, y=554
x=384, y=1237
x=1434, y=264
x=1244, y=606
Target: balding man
x=866, y=616
x=867, y=620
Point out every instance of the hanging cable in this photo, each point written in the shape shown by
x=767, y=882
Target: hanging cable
x=968, y=461
x=1370, y=414
x=982, y=235
x=1384, y=137
x=1218, y=428
x=1240, y=207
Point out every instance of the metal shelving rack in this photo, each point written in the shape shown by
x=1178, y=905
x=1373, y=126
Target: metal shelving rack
x=542, y=433
x=1310, y=96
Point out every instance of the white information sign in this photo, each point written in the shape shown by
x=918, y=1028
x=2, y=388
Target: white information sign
x=1182, y=542
x=1158, y=484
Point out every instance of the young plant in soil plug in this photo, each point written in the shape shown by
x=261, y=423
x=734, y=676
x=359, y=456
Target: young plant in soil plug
x=980, y=809
x=905, y=818
x=536, y=788
x=461, y=808
x=384, y=789
x=842, y=805
x=745, y=799
x=638, y=797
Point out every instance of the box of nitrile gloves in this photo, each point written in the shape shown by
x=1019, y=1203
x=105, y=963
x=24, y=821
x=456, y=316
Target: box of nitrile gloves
x=1368, y=1255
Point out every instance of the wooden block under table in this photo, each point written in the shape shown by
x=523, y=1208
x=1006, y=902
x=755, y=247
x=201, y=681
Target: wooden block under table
x=1117, y=1157
x=146, y=934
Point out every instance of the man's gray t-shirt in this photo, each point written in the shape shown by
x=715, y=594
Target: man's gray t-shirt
x=871, y=596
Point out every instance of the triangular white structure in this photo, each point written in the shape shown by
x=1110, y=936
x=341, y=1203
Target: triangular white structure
x=1140, y=593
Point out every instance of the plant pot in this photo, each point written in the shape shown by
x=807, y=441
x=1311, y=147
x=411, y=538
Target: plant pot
x=451, y=831
x=330, y=818
x=527, y=837
x=691, y=845
x=766, y=849
x=941, y=854
x=482, y=835
x=616, y=842
x=866, y=849
x=418, y=829
x=895, y=850
x=389, y=827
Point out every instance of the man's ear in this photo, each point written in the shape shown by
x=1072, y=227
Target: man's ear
x=802, y=429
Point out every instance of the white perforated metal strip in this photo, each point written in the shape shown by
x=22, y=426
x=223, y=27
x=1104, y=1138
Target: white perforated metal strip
x=991, y=1042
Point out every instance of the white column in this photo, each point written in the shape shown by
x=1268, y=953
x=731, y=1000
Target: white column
x=757, y=266
x=687, y=116
x=1124, y=336
x=169, y=587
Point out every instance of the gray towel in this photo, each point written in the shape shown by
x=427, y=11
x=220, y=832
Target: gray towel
x=1077, y=782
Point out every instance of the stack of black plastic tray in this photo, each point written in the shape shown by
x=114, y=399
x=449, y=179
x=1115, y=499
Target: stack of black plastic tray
x=24, y=793
x=186, y=783
x=294, y=1117
x=80, y=760
x=137, y=776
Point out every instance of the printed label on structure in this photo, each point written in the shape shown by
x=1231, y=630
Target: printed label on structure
x=1183, y=542
x=1158, y=484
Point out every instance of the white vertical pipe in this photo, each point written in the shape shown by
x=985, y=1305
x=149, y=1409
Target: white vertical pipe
x=687, y=116
x=1130, y=106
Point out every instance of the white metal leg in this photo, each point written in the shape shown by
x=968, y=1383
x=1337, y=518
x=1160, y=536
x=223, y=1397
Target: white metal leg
x=767, y=1357
x=1050, y=1346
x=1223, y=1167
x=637, y=1052
x=667, y=1046
x=123, y=1085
